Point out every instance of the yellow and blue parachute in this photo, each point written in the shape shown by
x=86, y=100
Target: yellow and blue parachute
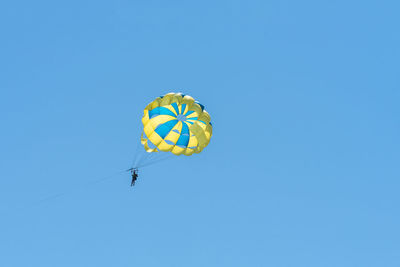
x=176, y=123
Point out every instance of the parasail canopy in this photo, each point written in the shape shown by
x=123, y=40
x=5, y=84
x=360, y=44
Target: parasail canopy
x=176, y=123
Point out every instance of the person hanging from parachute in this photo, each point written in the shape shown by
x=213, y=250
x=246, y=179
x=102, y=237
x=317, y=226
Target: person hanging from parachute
x=175, y=124
x=134, y=173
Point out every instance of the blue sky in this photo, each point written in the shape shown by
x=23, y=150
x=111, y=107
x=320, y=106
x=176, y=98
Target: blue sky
x=303, y=166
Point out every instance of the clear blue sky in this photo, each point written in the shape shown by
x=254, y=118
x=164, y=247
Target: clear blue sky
x=303, y=167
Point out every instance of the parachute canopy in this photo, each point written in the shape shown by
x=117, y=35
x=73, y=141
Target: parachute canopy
x=176, y=123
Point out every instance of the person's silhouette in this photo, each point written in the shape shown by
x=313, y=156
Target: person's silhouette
x=134, y=176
